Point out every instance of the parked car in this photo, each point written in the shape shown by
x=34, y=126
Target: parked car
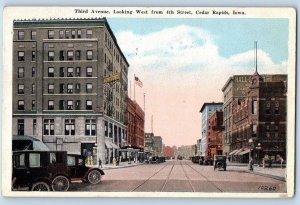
x=154, y=159
x=40, y=170
x=220, y=162
x=195, y=159
x=162, y=159
x=201, y=160
x=79, y=170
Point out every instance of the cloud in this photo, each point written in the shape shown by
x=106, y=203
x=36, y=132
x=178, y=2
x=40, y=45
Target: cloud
x=181, y=68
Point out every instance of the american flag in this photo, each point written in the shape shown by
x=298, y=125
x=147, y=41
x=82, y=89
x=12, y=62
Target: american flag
x=138, y=81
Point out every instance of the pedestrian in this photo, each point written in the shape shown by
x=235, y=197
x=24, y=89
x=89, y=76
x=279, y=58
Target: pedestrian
x=270, y=162
x=117, y=162
x=100, y=163
x=281, y=162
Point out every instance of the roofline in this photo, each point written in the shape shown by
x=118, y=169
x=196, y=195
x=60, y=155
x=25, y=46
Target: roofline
x=211, y=103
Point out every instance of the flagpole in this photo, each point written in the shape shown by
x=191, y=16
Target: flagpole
x=134, y=88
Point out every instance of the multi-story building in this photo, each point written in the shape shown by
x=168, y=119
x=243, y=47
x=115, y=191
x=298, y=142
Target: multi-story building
x=149, y=144
x=198, y=147
x=187, y=151
x=235, y=88
x=259, y=121
x=214, y=135
x=169, y=151
x=157, y=145
x=136, y=123
x=206, y=111
x=59, y=94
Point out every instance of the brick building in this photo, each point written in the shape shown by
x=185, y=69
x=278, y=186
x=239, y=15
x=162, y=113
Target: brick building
x=58, y=92
x=214, y=135
x=259, y=121
x=168, y=152
x=136, y=124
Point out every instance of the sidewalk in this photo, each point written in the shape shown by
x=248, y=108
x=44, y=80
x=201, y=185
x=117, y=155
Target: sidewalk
x=121, y=165
x=275, y=173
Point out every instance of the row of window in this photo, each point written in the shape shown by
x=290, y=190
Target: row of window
x=70, y=88
x=21, y=72
x=68, y=33
x=21, y=89
x=69, y=125
x=70, y=72
x=63, y=105
x=62, y=55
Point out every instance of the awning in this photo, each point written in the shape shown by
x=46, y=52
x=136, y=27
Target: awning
x=108, y=144
x=238, y=152
x=244, y=152
x=233, y=152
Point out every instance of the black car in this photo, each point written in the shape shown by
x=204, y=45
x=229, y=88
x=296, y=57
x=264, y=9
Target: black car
x=195, y=159
x=40, y=171
x=79, y=170
x=220, y=162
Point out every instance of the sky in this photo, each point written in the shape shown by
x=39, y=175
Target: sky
x=186, y=62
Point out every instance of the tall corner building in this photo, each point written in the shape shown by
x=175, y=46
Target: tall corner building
x=58, y=92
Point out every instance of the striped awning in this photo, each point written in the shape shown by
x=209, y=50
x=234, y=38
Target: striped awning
x=246, y=151
x=233, y=152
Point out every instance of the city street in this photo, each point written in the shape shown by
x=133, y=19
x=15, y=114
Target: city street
x=180, y=176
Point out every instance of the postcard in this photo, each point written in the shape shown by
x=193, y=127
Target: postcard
x=148, y=102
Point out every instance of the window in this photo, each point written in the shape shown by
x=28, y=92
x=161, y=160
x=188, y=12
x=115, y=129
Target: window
x=70, y=55
x=61, y=55
x=50, y=34
x=21, y=56
x=89, y=105
x=21, y=89
x=50, y=72
x=276, y=127
x=70, y=72
x=21, y=35
x=62, y=105
x=77, y=105
x=61, y=34
x=67, y=34
x=70, y=105
x=71, y=160
x=33, y=88
x=89, y=55
x=73, y=33
x=20, y=126
x=61, y=88
x=33, y=72
x=21, y=72
x=254, y=129
x=267, y=127
x=33, y=35
x=78, y=33
x=90, y=127
x=49, y=127
x=105, y=128
x=78, y=71
x=50, y=88
x=268, y=106
x=61, y=72
x=77, y=88
x=33, y=56
x=89, y=72
x=19, y=160
x=254, y=106
x=89, y=87
x=276, y=107
x=50, y=55
x=33, y=107
x=69, y=127
x=34, y=127
x=20, y=104
x=34, y=160
x=78, y=55
x=89, y=33
x=70, y=88
x=50, y=105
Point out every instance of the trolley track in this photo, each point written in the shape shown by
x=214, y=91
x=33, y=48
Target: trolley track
x=167, y=179
x=188, y=178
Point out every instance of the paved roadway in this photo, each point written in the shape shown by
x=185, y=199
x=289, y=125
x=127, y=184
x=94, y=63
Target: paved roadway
x=180, y=176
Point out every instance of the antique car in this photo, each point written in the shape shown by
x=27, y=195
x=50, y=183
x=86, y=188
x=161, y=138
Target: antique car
x=195, y=159
x=79, y=170
x=154, y=159
x=40, y=171
x=201, y=160
x=220, y=162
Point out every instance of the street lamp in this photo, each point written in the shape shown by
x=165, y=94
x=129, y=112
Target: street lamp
x=258, y=154
x=250, y=158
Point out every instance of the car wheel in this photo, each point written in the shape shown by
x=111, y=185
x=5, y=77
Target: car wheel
x=60, y=183
x=220, y=165
x=40, y=186
x=94, y=177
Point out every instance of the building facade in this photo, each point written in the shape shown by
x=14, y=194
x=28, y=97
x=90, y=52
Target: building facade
x=259, y=121
x=168, y=152
x=235, y=88
x=206, y=111
x=215, y=135
x=187, y=151
x=149, y=144
x=136, y=124
x=158, y=145
x=59, y=95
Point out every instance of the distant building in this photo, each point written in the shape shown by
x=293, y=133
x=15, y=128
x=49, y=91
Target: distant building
x=135, y=126
x=149, y=144
x=198, y=147
x=157, y=145
x=187, y=151
x=206, y=111
x=168, y=152
x=214, y=135
x=259, y=121
x=236, y=88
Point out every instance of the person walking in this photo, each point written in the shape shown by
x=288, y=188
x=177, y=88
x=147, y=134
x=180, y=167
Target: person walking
x=100, y=163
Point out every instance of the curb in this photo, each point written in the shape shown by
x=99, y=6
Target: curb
x=120, y=167
x=266, y=175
